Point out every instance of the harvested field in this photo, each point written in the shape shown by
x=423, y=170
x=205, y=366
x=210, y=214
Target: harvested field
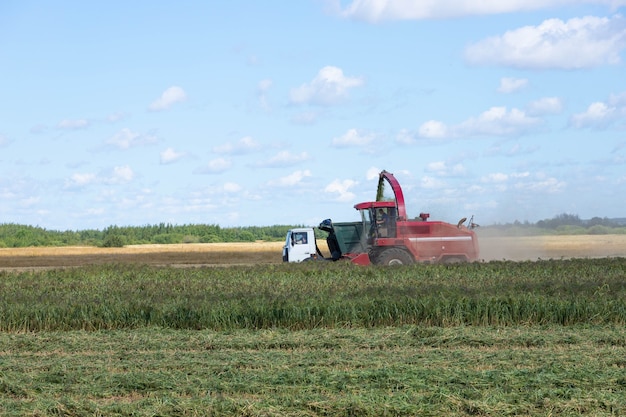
x=223, y=254
x=552, y=247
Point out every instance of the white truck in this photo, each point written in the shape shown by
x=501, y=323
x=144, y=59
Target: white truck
x=300, y=245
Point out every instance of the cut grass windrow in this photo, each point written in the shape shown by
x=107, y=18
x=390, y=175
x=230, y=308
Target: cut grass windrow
x=329, y=295
x=394, y=371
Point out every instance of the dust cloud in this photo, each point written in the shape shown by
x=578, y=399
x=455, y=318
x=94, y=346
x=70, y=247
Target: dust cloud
x=522, y=248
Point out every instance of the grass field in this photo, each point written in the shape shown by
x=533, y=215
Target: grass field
x=135, y=332
x=394, y=371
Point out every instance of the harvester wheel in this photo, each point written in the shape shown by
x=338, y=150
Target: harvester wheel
x=394, y=256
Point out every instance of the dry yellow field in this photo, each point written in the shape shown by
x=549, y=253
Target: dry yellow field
x=492, y=248
x=552, y=247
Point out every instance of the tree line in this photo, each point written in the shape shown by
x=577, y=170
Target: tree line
x=564, y=224
x=15, y=235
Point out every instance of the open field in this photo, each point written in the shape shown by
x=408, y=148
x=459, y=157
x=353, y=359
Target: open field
x=492, y=248
x=392, y=371
x=128, y=332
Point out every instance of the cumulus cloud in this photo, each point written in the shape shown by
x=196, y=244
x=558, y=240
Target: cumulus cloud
x=548, y=185
x=353, y=138
x=120, y=175
x=169, y=156
x=577, y=43
x=444, y=169
x=597, y=115
x=341, y=190
x=373, y=173
x=126, y=138
x=511, y=85
x=168, y=98
x=495, y=177
x=432, y=183
x=79, y=180
x=381, y=10
x=243, y=146
x=544, y=106
x=231, y=187
x=433, y=129
x=215, y=166
x=496, y=121
x=523, y=181
x=117, y=175
x=330, y=86
x=290, y=180
x=601, y=114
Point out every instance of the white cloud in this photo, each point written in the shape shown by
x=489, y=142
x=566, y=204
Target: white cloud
x=170, y=155
x=353, y=138
x=330, y=86
x=602, y=114
x=168, y=98
x=69, y=124
x=433, y=129
x=546, y=105
x=284, y=159
x=431, y=183
x=126, y=138
x=341, y=188
x=444, y=169
x=511, y=85
x=4, y=140
x=120, y=175
x=597, y=115
x=496, y=177
x=79, y=180
x=372, y=173
x=117, y=175
x=380, y=10
x=290, y=180
x=497, y=121
x=215, y=166
x=243, y=146
x=231, y=187
x=577, y=43
x=542, y=185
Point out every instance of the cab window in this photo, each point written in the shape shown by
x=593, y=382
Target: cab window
x=300, y=238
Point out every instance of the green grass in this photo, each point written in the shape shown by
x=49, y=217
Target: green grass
x=395, y=371
x=317, y=295
x=501, y=338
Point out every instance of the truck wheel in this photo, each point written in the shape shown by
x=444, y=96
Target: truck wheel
x=394, y=256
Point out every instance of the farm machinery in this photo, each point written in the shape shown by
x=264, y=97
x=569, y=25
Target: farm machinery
x=386, y=236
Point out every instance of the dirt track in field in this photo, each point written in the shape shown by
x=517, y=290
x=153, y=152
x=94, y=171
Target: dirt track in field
x=224, y=254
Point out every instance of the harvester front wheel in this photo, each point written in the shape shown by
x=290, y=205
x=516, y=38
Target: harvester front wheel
x=394, y=256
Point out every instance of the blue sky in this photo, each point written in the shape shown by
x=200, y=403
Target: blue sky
x=247, y=113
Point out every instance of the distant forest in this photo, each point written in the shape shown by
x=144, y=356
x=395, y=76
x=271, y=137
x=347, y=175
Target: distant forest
x=16, y=235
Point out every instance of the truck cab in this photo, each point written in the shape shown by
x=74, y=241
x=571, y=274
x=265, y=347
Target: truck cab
x=300, y=245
